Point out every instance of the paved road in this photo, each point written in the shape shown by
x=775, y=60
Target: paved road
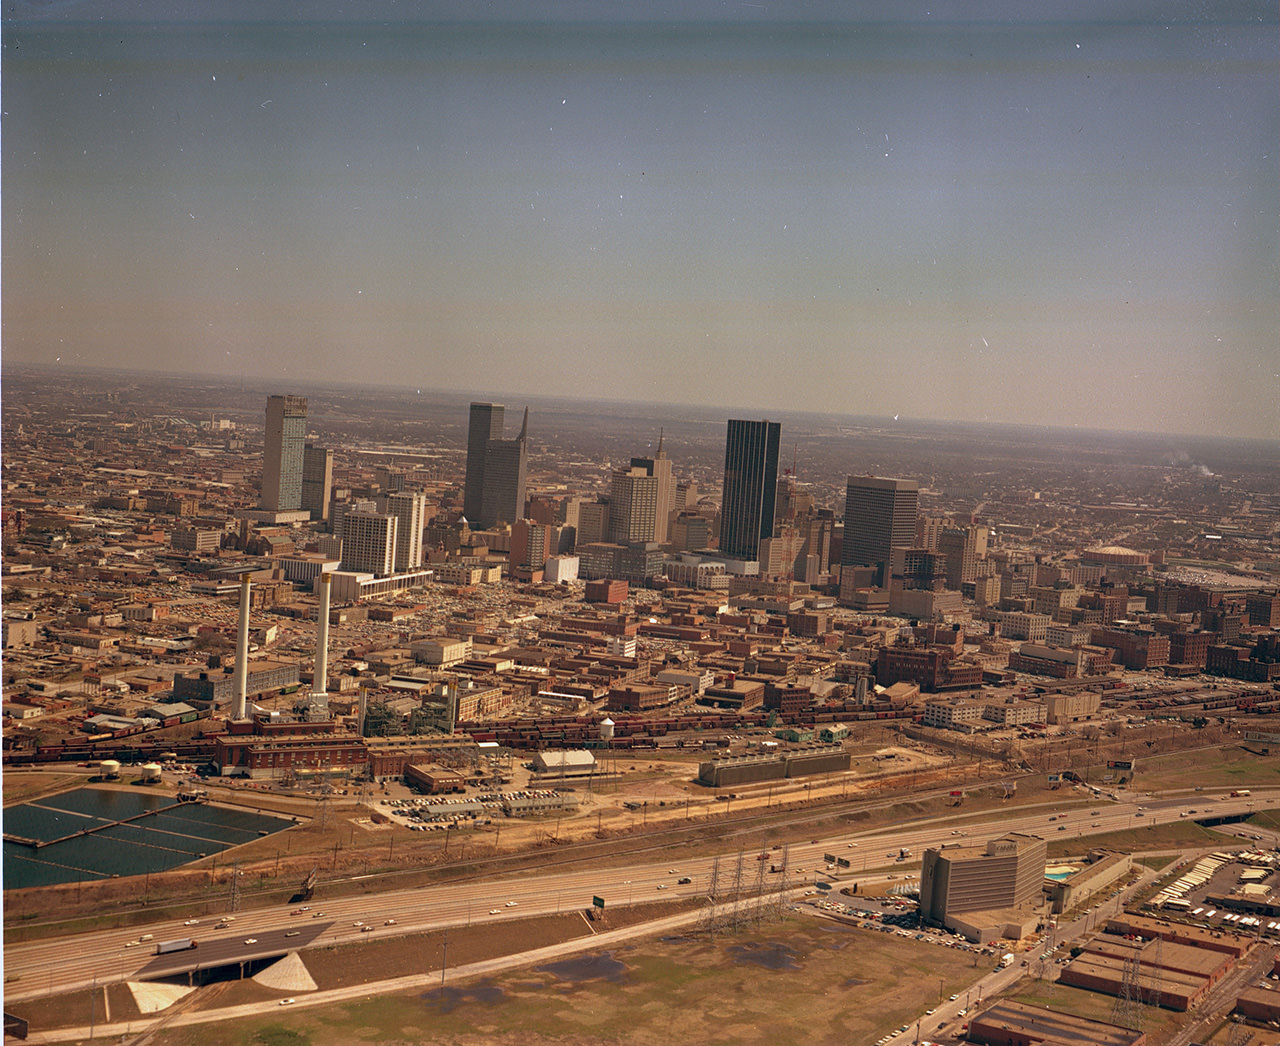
x=39, y=968
x=417, y=981
x=999, y=980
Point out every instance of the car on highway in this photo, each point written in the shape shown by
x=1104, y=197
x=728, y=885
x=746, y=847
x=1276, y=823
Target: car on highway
x=293, y=933
x=495, y=911
x=358, y=923
x=511, y=904
x=317, y=915
x=366, y=929
x=192, y=922
x=251, y=940
x=286, y=1002
x=684, y=880
x=389, y=922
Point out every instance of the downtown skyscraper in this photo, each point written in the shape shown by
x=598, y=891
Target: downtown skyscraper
x=879, y=516
x=494, y=489
x=283, y=452
x=749, y=497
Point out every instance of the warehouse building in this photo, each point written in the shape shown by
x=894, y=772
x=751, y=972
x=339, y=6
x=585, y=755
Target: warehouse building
x=1007, y=1023
x=748, y=769
x=576, y=763
x=1172, y=976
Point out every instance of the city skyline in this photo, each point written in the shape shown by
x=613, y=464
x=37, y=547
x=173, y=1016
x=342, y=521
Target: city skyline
x=976, y=214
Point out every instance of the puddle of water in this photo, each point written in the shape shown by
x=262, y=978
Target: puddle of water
x=772, y=956
x=528, y=986
x=449, y=998
x=599, y=967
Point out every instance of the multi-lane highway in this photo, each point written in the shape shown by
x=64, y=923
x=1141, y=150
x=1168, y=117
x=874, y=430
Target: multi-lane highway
x=55, y=965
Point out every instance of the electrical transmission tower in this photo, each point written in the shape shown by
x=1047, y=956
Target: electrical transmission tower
x=707, y=924
x=1127, y=1012
x=1240, y=1035
x=233, y=894
x=735, y=918
x=1156, y=965
x=758, y=914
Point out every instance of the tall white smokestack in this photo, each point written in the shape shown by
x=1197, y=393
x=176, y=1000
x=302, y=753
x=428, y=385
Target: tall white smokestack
x=242, y=651
x=320, y=677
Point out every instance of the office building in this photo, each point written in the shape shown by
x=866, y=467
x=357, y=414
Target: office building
x=985, y=891
x=879, y=515
x=484, y=425
x=282, y=453
x=659, y=468
x=410, y=511
x=494, y=490
x=317, y=480
x=749, y=496
x=530, y=550
x=960, y=546
x=339, y=510
x=369, y=543
x=633, y=506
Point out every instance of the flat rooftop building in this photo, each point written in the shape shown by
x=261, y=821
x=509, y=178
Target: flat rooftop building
x=996, y=887
x=1008, y=1023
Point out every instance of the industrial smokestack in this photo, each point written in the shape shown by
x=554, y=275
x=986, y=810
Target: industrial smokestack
x=320, y=677
x=242, y=651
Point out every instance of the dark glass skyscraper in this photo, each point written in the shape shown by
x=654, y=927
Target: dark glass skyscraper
x=750, y=486
x=879, y=515
x=485, y=424
x=494, y=491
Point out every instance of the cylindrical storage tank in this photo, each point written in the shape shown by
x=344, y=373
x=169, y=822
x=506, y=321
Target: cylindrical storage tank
x=606, y=730
x=151, y=772
x=109, y=768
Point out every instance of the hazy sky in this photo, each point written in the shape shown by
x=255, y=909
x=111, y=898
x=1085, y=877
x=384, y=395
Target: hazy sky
x=1066, y=213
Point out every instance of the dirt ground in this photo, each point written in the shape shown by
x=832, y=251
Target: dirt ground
x=351, y=964
x=342, y=836
x=803, y=979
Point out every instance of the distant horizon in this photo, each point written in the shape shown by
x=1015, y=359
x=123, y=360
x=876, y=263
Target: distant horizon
x=713, y=412
x=963, y=209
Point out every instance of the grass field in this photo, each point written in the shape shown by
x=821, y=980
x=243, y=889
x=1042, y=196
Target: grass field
x=1226, y=767
x=801, y=980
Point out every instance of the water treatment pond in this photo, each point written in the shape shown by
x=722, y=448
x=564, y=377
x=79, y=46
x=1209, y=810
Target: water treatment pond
x=97, y=833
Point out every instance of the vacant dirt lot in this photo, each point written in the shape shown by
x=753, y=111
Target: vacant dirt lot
x=800, y=980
